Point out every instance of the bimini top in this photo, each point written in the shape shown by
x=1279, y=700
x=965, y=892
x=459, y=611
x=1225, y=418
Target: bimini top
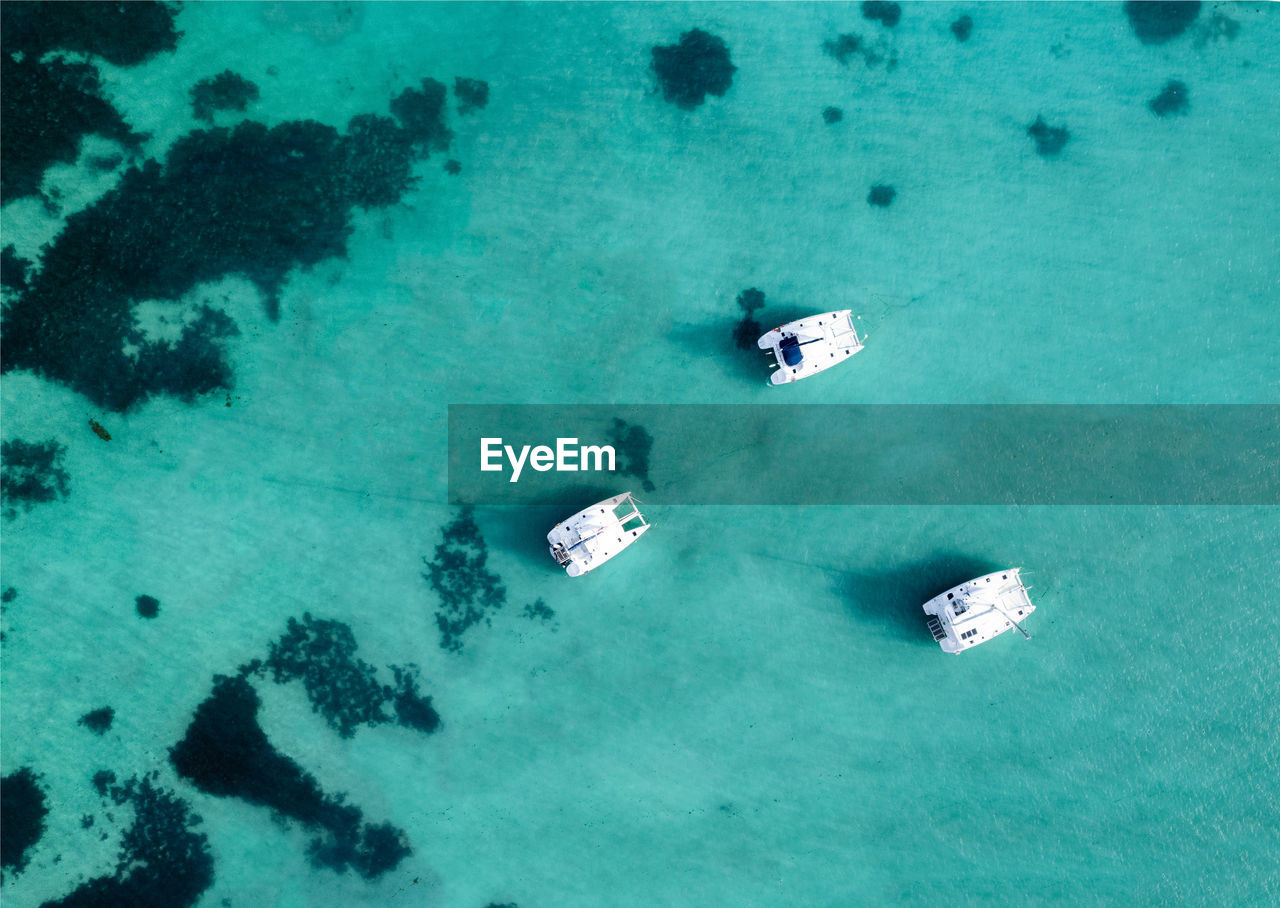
x=807, y=346
x=592, y=536
x=792, y=355
x=978, y=610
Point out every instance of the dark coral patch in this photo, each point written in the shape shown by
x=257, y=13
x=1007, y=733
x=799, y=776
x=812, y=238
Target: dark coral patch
x=844, y=48
x=147, y=606
x=99, y=720
x=382, y=154
x=10, y=593
x=412, y=709
x=13, y=269
x=226, y=753
x=322, y=655
x=472, y=94
x=103, y=779
x=421, y=113
x=697, y=66
x=163, y=860
x=32, y=474
x=881, y=196
x=458, y=573
x=1050, y=140
x=22, y=813
x=343, y=688
x=887, y=14
x=377, y=849
x=452, y=167
x=633, y=445
x=1156, y=22
x=252, y=201
x=193, y=365
x=962, y=28
x=1220, y=27
x=47, y=109
x=244, y=176
x=225, y=91
x=832, y=115
x=538, y=610
x=1173, y=99
x=122, y=33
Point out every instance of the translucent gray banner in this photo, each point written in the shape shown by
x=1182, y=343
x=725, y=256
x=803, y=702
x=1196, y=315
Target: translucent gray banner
x=866, y=454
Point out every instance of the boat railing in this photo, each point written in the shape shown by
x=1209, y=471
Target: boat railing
x=627, y=518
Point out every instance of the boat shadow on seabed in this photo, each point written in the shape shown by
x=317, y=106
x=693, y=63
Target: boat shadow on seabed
x=522, y=529
x=894, y=596
x=730, y=343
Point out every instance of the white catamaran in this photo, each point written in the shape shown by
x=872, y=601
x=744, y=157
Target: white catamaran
x=594, y=535
x=978, y=610
x=809, y=345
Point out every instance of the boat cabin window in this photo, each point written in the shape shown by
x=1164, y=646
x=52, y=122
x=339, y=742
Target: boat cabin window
x=791, y=354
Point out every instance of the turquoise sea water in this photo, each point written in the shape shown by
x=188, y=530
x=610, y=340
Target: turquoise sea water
x=745, y=709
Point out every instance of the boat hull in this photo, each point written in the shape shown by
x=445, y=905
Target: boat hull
x=819, y=341
x=594, y=535
x=978, y=610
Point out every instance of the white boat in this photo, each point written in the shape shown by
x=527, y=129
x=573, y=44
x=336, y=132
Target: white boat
x=594, y=535
x=978, y=610
x=807, y=346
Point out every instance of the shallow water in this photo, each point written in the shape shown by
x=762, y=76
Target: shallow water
x=746, y=708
